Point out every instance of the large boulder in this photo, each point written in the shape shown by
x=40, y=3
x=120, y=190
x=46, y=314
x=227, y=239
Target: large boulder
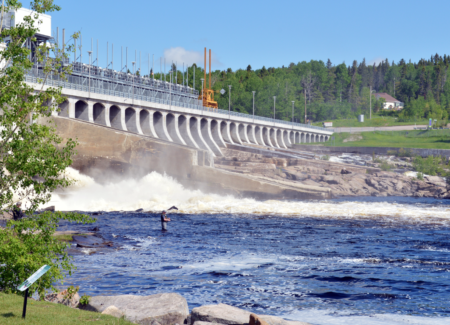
x=229, y=315
x=163, y=308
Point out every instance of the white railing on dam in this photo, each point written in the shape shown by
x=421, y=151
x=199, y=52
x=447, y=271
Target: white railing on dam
x=50, y=81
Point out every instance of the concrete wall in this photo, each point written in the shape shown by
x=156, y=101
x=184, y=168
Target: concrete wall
x=105, y=154
x=199, y=129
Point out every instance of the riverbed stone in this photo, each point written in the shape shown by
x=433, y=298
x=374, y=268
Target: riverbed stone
x=229, y=315
x=113, y=311
x=163, y=308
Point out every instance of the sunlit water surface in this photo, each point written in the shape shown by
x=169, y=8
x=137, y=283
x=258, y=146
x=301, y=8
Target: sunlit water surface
x=345, y=261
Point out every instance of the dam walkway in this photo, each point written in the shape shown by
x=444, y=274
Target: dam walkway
x=179, y=122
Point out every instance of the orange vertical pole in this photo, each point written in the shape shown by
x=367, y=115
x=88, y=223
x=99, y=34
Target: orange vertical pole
x=209, y=68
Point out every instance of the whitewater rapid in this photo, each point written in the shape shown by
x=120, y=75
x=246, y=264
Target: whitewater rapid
x=156, y=192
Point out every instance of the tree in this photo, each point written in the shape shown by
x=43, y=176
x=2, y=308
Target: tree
x=249, y=68
x=32, y=156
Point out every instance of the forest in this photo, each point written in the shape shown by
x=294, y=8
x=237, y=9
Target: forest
x=332, y=91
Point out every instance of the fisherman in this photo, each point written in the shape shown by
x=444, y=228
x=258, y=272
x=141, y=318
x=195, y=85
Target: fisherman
x=17, y=211
x=164, y=221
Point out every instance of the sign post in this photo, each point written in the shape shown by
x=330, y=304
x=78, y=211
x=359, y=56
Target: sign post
x=28, y=283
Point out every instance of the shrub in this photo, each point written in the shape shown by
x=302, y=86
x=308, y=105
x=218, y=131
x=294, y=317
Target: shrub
x=429, y=165
x=326, y=157
x=385, y=166
x=84, y=300
x=420, y=176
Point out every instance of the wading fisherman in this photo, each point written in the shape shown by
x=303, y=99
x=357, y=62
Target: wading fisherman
x=17, y=211
x=164, y=219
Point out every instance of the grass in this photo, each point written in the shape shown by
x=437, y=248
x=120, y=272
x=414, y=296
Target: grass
x=67, y=238
x=40, y=312
x=427, y=139
x=376, y=121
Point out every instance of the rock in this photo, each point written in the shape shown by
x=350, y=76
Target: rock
x=163, y=308
x=63, y=299
x=345, y=171
x=94, y=229
x=274, y=320
x=113, y=311
x=91, y=241
x=221, y=313
x=255, y=320
x=50, y=208
x=331, y=179
x=206, y=323
x=229, y=315
x=139, y=210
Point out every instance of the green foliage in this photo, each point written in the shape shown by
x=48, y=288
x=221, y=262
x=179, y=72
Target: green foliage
x=385, y=166
x=27, y=244
x=326, y=157
x=84, y=300
x=436, y=139
x=334, y=91
x=71, y=291
x=430, y=165
x=32, y=156
x=420, y=176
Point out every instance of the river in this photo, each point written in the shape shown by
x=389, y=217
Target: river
x=348, y=260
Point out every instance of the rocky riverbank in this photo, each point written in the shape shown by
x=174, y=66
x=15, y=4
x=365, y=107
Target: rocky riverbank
x=167, y=309
x=343, y=179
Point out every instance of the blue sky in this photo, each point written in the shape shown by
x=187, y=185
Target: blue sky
x=269, y=33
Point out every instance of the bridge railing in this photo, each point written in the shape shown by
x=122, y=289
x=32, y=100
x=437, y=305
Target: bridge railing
x=194, y=104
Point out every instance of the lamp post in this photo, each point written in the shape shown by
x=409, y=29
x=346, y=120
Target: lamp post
x=370, y=101
x=203, y=99
x=90, y=52
x=253, y=106
x=132, y=81
x=274, y=101
x=293, y=113
x=170, y=88
x=229, y=102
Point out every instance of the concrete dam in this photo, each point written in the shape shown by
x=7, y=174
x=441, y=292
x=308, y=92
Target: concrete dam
x=130, y=125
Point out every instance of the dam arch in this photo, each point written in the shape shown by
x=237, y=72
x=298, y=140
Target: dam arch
x=82, y=110
x=99, y=114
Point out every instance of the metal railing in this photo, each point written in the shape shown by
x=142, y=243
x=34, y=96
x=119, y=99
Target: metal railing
x=192, y=104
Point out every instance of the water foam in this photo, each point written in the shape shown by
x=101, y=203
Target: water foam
x=156, y=192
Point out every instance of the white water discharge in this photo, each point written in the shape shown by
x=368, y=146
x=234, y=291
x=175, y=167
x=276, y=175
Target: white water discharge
x=156, y=192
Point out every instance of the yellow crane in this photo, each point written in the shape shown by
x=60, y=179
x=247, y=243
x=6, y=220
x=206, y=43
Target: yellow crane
x=207, y=95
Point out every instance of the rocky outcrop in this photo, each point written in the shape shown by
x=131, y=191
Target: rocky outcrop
x=163, y=308
x=340, y=178
x=229, y=315
x=64, y=298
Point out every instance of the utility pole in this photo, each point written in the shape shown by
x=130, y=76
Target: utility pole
x=370, y=101
x=305, y=106
x=90, y=52
x=253, y=106
x=394, y=86
x=293, y=113
x=229, y=102
x=274, y=101
x=203, y=100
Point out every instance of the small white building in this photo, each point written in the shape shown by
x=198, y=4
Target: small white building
x=327, y=124
x=389, y=101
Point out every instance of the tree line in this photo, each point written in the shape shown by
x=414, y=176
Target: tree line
x=333, y=91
